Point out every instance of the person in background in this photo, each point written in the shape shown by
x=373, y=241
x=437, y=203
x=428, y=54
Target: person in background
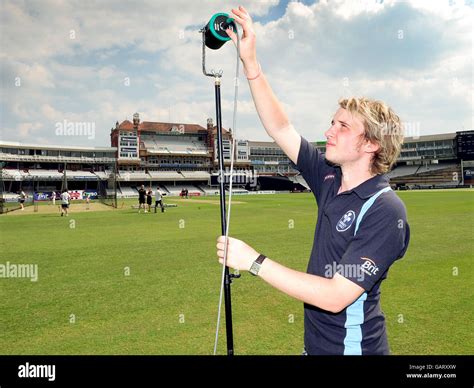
x=22, y=199
x=141, y=198
x=159, y=200
x=65, y=200
x=149, y=198
x=88, y=200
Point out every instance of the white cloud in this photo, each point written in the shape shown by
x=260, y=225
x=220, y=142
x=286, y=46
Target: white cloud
x=27, y=130
x=312, y=56
x=33, y=29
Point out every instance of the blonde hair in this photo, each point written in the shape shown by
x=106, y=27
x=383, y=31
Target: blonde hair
x=381, y=126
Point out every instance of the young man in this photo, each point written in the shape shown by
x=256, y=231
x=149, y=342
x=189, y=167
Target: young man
x=141, y=198
x=159, y=200
x=361, y=229
x=53, y=198
x=65, y=199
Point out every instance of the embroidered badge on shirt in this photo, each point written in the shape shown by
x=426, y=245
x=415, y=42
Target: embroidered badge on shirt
x=346, y=221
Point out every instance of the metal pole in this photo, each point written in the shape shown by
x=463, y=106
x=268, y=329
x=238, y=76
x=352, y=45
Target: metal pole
x=227, y=277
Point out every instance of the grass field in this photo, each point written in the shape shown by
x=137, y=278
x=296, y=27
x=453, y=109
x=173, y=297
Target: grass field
x=118, y=282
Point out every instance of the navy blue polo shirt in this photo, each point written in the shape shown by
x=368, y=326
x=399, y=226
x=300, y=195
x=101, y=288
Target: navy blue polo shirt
x=359, y=234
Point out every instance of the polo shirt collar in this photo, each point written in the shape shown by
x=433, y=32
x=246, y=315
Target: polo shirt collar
x=365, y=189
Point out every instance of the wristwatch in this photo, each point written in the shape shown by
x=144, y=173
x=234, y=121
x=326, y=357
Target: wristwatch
x=256, y=265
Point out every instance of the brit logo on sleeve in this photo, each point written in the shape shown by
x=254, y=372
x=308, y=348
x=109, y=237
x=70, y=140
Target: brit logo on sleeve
x=369, y=267
x=346, y=221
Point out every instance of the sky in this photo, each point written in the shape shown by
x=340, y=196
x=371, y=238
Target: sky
x=70, y=65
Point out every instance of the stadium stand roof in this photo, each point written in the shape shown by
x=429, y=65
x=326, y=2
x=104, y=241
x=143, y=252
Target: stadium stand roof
x=164, y=128
x=55, y=147
x=263, y=144
x=126, y=125
x=441, y=136
x=170, y=127
x=196, y=174
x=50, y=174
x=166, y=175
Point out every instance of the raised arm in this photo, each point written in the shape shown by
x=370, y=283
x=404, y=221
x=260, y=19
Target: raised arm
x=269, y=109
